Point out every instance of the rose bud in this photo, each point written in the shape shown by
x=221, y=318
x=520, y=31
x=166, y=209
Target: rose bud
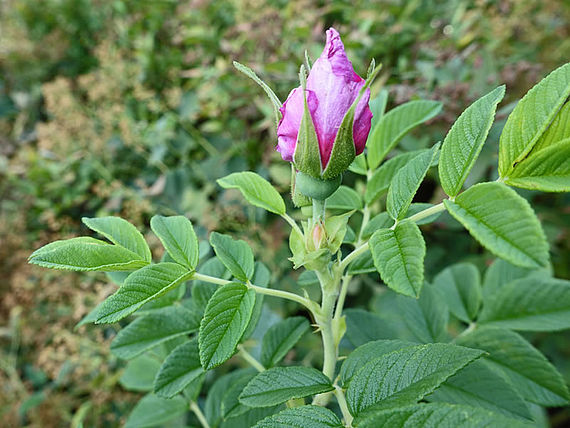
x=325, y=126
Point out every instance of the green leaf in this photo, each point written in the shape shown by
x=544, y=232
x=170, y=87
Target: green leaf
x=380, y=221
x=193, y=389
x=406, y=183
x=369, y=351
x=363, y=326
x=478, y=385
x=140, y=287
x=417, y=207
x=139, y=373
x=503, y=222
x=399, y=257
x=526, y=368
x=279, y=384
x=465, y=139
x=557, y=131
x=502, y=272
x=548, y=170
x=120, y=232
x=358, y=165
x=256, y=190
x=212, y=408
x=272, y=97
x=202, y=291
x=379, y=182
x=425, y=317
x=378, y=107
x=460, y=287
x=177, y=235
x=250, y=417
x=229, y=403
x=91, y=317
x=151, y=330
x=234, y=254
x=261, y=278
x=529, y=304
x=439, y=415
x=225, y=320
x=364, y=263
x=181, y=367
x=394, y=125
x=405, y=376
x=345, y=199
x=151, y=411
x=280, y=339
x=302, y=417
x=530, y=118
x=86, y=254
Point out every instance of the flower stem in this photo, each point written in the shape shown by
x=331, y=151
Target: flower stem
x=196, y=409
x=318, y=210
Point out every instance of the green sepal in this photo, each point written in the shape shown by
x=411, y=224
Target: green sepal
x=316, y=188
x=307, y=156
x=335, y=229
x=343, y=151
x=275, y=101
x=299, y=200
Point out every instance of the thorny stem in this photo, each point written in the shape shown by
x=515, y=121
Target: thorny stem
x=250, y=359
x=196, y=409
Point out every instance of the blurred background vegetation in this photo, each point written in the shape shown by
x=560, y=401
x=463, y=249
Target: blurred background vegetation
x=133, y=108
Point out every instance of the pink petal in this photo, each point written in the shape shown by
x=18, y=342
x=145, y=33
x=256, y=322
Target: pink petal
x=292, y=113
x=336, y=86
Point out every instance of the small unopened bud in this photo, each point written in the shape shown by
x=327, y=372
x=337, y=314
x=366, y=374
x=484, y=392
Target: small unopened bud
x=318, y=235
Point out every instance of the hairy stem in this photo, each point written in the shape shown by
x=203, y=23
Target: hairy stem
x=353, y=255
x=250, y=359
x=339, y=394
x=342, y=296
x=196, y=409
x=427, y=212
x=324, y=319
x=318, y=210
x=292, y=223
x=282, y=294
x=267, y=291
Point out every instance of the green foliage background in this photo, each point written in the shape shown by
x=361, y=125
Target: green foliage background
x=133, y=108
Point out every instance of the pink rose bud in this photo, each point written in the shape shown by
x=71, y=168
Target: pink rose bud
x=331, y=89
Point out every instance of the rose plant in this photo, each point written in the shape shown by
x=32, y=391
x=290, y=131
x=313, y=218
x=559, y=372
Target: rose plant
x=445, y=353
